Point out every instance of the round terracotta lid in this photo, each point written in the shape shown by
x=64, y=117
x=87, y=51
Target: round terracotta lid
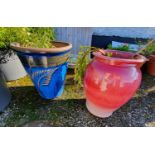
x=58, y=48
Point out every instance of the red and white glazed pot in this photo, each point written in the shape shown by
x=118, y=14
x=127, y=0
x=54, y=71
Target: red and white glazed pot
x=110, y=82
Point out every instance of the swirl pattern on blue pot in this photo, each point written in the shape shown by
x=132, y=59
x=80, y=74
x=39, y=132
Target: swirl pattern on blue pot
x=46, y=69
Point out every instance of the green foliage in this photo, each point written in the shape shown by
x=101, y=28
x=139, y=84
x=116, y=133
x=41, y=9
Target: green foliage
x=3, y=40
x=109, y=54
x=82, y=62
x=39, y=37
x=121, y=48
x=148, y=50
x=36, y=37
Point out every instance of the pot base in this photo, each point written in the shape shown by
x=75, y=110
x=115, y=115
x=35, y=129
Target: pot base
x=102, y=113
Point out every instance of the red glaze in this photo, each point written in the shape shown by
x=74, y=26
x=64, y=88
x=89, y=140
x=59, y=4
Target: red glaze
x=110, y=82
x=151, y=65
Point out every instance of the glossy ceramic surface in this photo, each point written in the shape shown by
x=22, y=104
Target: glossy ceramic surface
x=46, y=68
x=151, y=65
x=48, y=81
x=110, y=82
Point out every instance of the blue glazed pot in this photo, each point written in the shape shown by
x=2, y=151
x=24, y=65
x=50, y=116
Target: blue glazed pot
x=46, y=67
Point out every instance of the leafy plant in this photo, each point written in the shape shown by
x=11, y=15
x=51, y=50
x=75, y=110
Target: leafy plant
x=149, y=48
x=2, y=37
x=121, y=48
x=82, y=62
x=39, y=37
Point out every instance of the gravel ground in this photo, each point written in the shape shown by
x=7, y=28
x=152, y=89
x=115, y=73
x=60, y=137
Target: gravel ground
x=28, y=109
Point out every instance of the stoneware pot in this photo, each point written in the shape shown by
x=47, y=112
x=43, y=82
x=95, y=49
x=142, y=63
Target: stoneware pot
x=110, y=82
x=12, y=67
x=151, y=65
x=47, y=67
x=5, y=95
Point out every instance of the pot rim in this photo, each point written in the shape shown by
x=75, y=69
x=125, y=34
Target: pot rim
x=152, y=55
x=117, y=60
x=60, y=48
